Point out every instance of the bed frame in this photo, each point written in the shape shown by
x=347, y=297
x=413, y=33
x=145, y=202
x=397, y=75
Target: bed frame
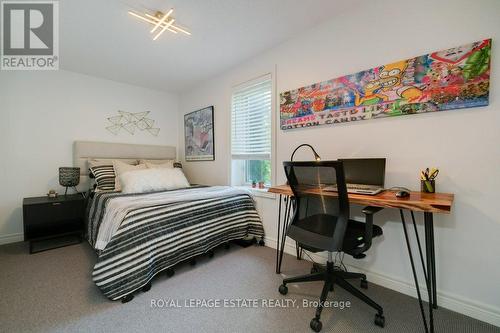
x=83, y=151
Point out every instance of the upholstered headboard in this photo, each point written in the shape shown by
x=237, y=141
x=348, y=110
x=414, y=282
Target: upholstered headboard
x=85, y=150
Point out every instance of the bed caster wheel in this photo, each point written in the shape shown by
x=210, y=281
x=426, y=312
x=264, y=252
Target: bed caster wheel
x=364, y=284
x=283, y=289
x=379, y=320
x=316, y=325
x=262, y=243
x=193, y=262
x=226, y=246
x=210, y=254
x=127, y=298
x=170, y=272
x=147, y=287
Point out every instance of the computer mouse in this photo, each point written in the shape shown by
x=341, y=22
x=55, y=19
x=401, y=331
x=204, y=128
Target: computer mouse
x=402, y=194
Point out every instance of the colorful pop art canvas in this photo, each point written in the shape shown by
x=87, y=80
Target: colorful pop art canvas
x=455, y=78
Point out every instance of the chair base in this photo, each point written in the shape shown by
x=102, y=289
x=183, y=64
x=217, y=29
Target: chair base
x=333, y=277
x=343, y=274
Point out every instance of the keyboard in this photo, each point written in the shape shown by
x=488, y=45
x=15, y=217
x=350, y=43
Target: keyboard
x=357, y=188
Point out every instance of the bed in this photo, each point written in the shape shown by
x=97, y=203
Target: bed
x=137, y=236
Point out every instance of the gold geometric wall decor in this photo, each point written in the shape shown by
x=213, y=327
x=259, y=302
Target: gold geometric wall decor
x=131, y=122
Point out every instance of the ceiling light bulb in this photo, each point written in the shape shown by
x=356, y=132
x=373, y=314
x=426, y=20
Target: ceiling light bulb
x=181, y=30
x=141, y=17
x=164, y=28
x=155, y=19
x=163, y=19
x=160, y=22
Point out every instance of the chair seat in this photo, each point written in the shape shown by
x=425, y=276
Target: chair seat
x=324, y=225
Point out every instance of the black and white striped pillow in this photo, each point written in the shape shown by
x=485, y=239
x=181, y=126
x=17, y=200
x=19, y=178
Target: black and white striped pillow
x=104, y=177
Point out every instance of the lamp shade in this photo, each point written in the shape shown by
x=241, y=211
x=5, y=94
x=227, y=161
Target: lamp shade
x=69, y=176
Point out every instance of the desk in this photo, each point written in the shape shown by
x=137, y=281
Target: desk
x=428, y=203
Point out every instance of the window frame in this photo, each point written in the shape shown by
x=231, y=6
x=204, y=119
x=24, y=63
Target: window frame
x=267, y=76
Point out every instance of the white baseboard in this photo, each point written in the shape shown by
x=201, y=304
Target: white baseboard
x=11, y=238
x=468, y=307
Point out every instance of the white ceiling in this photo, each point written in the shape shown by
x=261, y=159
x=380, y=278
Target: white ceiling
x=99, y=38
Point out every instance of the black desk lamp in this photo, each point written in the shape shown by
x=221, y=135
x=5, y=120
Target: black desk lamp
x=316, y=156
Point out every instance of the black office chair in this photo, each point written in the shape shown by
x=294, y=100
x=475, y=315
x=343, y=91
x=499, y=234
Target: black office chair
x=321, y=223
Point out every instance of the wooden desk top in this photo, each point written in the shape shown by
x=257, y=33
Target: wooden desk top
x=417, y=201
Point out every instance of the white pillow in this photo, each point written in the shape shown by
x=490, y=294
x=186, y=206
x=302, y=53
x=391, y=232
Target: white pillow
x=162, y=162
x=109, y=161
x=122, y=168
x=150, y=180
x=169, y=164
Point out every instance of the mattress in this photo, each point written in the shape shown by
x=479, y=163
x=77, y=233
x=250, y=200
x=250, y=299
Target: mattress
x=136, y=236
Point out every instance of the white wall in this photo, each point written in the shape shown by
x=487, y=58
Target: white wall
x=43, y=113
x=464, y=144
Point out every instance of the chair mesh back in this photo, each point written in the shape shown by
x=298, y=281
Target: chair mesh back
x=308, y=181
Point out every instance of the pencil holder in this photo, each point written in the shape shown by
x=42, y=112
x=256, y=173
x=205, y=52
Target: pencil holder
x=428, y=186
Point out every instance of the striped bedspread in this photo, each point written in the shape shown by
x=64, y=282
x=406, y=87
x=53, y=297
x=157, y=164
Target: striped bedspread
x=159, y=233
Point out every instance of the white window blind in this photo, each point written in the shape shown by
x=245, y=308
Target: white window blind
x=251, y=120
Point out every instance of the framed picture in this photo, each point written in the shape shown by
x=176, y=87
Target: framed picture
x=199, y=135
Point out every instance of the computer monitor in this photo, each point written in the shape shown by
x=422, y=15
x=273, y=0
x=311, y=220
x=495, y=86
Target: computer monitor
x=366, y=171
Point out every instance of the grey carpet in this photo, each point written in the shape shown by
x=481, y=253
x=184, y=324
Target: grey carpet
x=53, y=292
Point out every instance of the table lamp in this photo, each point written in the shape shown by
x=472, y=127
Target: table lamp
x=69, y=177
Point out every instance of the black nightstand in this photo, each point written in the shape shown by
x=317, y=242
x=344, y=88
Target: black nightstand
x=49, y=218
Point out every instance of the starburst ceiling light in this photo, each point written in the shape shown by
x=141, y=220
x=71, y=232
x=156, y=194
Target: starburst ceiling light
x=160, y=22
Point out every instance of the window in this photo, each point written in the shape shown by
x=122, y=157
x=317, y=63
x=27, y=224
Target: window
x=251, y=132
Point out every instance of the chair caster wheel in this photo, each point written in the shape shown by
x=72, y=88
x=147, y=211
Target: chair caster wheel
x=193, y=262
x=379, y=320
x=127, y=298
x=262, y=243
x=226, y=246
x=147, y=287
x=316, y=325
x=364, y=284
x=210, y=254
x=170, y=272
x=283, y=289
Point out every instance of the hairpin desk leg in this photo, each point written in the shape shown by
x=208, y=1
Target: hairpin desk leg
x=431, y=255
x=286, y=217
x=414, y=271
x=278, y=238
